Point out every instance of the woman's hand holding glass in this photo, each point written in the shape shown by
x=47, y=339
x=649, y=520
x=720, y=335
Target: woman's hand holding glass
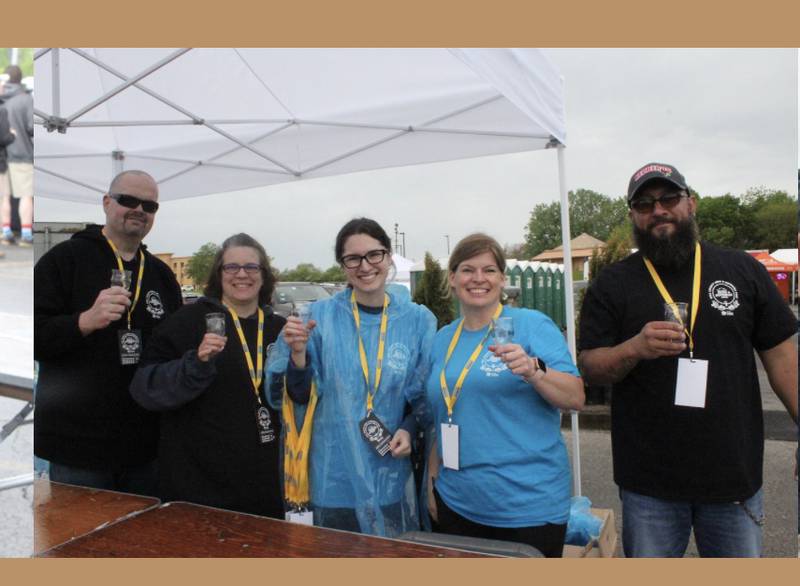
x=210, y=346
x=295, y=334
x=516, y=359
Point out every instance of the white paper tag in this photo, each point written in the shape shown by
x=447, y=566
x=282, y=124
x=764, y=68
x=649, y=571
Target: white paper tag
x=690, y=388
x=450, y=446
x=301, y=517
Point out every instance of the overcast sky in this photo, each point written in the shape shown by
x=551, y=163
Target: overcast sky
x=726, y=118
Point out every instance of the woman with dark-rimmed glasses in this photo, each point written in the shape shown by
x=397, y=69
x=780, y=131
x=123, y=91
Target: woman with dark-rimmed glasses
x=361, y=362
x=203, y=370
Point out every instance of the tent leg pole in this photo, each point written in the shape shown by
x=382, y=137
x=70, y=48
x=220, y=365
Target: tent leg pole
x=569, y=304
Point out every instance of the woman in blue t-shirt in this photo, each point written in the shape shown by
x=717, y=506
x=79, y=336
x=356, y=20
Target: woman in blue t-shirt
x=500, y=467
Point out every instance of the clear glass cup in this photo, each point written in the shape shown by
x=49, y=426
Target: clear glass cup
x=303, y=311
x=503, y=330
x=215, y=323
x=676, y=312
x=121, y=278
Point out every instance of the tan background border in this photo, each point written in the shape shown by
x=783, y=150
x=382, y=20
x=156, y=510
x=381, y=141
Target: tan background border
x=627, y=23
x=399, y=23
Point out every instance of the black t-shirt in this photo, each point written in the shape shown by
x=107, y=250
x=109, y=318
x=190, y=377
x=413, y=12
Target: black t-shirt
x=711, y=454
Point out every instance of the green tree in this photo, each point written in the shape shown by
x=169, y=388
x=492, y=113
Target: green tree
x=723, y=220
x=199, y=266
x=25, y=61
x=334, y=274
x=618, y=246
x=305, y=271
x=590, y=212
x=430, y=292
x=775, y=225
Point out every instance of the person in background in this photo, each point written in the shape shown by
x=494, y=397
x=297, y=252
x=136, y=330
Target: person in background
x=499, y=469
x=88, y=336
x=686, y=420
x=365, y=351
x=7, y=136
x=19, y=105
x=219, y=443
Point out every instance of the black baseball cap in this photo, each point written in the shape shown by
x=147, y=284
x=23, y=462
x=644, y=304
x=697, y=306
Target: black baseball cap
x=655, y=171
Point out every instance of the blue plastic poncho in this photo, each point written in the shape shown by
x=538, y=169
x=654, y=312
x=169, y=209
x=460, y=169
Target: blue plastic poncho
x=352, y=487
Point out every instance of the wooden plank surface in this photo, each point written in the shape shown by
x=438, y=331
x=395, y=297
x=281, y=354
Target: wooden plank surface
x=187, y=530
x=15, y=392
x=63, y=512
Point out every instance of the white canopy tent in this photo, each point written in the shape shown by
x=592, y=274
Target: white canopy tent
x=205, y=121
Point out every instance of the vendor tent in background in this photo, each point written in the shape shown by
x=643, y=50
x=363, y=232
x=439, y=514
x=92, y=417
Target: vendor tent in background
x=207, y=121
x=783, y=273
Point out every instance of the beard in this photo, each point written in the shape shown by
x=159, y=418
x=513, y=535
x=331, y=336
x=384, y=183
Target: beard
x=672, y=251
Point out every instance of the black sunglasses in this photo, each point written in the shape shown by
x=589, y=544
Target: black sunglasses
x=645, y=205
x=133, y=202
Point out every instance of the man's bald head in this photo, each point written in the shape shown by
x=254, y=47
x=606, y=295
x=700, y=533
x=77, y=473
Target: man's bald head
x=123, y=222
x=126, y=176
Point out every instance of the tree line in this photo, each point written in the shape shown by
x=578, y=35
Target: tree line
x=199, y=266
x=758, y=219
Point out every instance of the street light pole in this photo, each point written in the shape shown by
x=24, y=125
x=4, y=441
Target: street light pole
x=403, y=234
x=448, y=243
x=396, y=246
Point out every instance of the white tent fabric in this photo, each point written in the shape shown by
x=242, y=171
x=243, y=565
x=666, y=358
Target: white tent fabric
x=403, y=266
x=205, y=121
x=785, y=255
x=216, y=120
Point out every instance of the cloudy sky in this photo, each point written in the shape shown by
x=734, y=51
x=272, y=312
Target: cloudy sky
x=727, y=118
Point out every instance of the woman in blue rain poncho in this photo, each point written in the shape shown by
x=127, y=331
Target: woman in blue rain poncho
x=366, y=352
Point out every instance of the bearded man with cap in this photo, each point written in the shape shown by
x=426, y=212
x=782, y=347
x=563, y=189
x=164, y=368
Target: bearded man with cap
x=686, y=421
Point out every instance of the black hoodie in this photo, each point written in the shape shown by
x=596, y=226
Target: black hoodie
x=209, y=449
x=85, y=416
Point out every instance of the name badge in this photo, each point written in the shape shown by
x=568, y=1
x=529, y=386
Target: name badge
x=375, y=434
x=300, y=517
x=450, y=446
x=264, y=421
x=130, y=346
x=690, y=388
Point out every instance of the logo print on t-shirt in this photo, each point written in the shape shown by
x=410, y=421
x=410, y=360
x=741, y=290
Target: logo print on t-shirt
x=724, y=297
x=154, y=305
x=491, y=365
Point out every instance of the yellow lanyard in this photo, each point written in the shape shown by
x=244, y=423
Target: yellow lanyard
x=256, y=374
x=138, y=279
x=381, y=347
x=296, y=447
x=695, y=293
x=450, y=399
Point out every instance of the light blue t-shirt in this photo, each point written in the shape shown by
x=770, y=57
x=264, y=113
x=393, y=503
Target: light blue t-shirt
x=513, y=464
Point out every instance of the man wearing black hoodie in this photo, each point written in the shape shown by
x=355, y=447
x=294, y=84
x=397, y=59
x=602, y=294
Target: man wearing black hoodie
x=88, y=338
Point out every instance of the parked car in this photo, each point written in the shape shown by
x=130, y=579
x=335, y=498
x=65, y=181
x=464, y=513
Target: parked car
x=287, y=294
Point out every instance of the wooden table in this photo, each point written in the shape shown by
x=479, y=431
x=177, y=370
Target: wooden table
x=63, y=512
x=187, y=530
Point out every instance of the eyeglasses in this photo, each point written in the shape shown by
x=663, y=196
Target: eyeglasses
x=373, y=257
x=645, y=205
x=133, y=202
x=233, y=268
